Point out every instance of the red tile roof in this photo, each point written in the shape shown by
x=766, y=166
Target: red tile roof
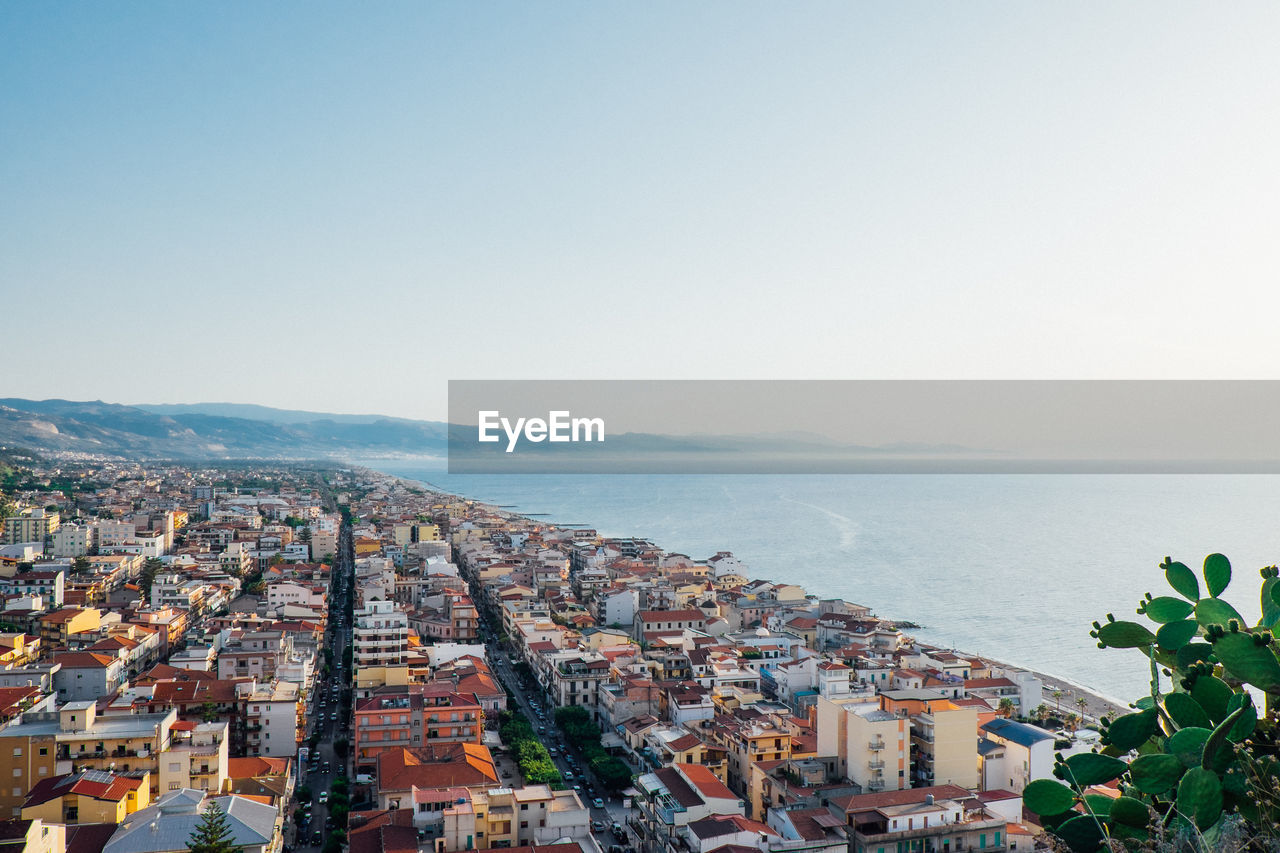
x=442, y=766
x=98, y=785
x=705, y=781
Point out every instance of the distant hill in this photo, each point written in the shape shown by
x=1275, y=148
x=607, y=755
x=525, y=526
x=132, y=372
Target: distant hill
x=253, y=412
x=209, y=431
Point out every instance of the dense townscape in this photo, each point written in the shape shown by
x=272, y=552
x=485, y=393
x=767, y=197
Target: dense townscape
x=280, y=657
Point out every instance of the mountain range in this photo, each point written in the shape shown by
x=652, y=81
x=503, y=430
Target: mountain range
x=209, y=431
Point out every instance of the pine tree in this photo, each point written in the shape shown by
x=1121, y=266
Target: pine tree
x=213, y=833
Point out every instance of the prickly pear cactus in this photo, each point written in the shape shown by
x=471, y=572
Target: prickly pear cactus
x=1194, y=753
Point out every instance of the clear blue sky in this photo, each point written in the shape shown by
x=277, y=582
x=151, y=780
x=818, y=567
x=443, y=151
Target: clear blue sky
x=200, y=201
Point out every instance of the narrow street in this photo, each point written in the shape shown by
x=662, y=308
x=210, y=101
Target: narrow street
x=325, y=712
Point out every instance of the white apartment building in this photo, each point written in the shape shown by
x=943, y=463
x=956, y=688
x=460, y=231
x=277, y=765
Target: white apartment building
x=380, y=635
x=72, y=540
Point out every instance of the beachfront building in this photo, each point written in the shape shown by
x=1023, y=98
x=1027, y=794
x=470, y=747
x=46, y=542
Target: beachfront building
x=1013, y=755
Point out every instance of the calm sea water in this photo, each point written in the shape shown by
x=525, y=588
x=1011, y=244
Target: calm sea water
x=1016, y=567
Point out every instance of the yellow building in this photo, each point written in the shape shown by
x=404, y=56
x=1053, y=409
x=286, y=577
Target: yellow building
x=42, y=745
x=36, y=836
x=89, y=796
x=31, y=525
x=944, y=737
x=365, y=547
x=945, y=744
x=506, y=817
x=57, y=627
x=18, y=650
x=872, y=745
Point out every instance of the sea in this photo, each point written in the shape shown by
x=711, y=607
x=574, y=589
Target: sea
x=1015, y=567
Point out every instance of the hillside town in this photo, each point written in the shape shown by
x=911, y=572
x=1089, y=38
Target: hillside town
x=338, y=659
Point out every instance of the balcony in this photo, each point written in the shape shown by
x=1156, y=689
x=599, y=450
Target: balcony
x=876, y=764
x=876, y=744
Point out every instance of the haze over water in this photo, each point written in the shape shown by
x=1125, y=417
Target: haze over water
x=1015, y=567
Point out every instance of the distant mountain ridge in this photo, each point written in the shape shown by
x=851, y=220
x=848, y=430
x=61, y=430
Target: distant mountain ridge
x=207, y=431
x=210, y=431
x=254, y=412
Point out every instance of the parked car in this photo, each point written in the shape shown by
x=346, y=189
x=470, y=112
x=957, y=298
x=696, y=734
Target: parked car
x=597, y=826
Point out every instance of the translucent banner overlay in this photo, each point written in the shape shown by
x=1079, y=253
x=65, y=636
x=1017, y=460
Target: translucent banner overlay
x=863, y=426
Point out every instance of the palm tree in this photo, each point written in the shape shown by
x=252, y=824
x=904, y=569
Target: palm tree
x=1057, y=698
x=1083, y=704
x=1005, y=708
x=1072, y=722
x=1041, y=712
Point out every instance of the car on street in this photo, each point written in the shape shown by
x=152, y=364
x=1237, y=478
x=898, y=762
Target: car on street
x=598, y=803
x=324, y=796
x=316, y=838
x=597, y=826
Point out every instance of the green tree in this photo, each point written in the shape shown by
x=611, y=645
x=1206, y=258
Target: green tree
x=80, y=566
x=213, y=833
x=1196, y=763
x=150, y=567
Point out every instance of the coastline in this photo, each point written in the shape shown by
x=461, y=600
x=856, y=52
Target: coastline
x=1097, y=705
